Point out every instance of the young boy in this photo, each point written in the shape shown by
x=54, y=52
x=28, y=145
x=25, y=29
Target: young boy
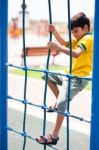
x=82, y=47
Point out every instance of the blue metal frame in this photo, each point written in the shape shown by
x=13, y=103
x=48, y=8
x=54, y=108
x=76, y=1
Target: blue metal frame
x=3, y=73
x=94, y=136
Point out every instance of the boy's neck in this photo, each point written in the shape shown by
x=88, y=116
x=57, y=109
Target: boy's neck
x=84, y=35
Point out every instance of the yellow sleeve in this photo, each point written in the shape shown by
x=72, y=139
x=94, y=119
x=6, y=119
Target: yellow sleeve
x=74, y=43
x=85, y=42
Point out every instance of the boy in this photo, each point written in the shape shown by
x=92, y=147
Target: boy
x=82, y=47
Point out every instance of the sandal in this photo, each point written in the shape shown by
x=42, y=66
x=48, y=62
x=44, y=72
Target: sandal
x=45, y=140
x=51, y=109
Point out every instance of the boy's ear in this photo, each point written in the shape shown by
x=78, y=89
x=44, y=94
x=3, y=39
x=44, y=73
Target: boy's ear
x=86, y=27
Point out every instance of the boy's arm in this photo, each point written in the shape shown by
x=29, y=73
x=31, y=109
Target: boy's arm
x=76, y=53
x=52, y=29
x=59, y=38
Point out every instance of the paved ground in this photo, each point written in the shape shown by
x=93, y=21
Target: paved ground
x=78, y=141
x=80, y=106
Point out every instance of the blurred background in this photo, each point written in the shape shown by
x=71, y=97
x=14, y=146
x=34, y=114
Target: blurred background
x=36, y=22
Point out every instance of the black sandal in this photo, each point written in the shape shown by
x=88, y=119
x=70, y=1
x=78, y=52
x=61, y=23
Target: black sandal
x=51, y=109
x=45, y=140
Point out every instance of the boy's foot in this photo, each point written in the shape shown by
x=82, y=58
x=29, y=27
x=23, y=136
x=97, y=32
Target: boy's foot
x=51, y=109
x=47, y=139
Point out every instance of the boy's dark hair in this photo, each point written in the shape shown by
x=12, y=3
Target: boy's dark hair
x=80, y=20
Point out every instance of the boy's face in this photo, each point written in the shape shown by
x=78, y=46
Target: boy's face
x=79, y=32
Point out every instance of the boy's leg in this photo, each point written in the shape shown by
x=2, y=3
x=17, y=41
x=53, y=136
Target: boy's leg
x=58, y=124
x=53, y=81
x=76, y=86
x=54, y=88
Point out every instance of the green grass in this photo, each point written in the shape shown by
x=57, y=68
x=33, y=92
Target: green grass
x=30, y=73
x=89, y=86
x=37, y=75
x=34, y=74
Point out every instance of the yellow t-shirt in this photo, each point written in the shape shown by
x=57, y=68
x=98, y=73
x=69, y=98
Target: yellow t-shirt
x=82, y=66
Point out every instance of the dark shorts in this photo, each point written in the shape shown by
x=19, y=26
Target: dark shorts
x=54, y=78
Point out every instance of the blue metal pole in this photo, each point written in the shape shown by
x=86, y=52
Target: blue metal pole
x=94, y=136
x=3, y=73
